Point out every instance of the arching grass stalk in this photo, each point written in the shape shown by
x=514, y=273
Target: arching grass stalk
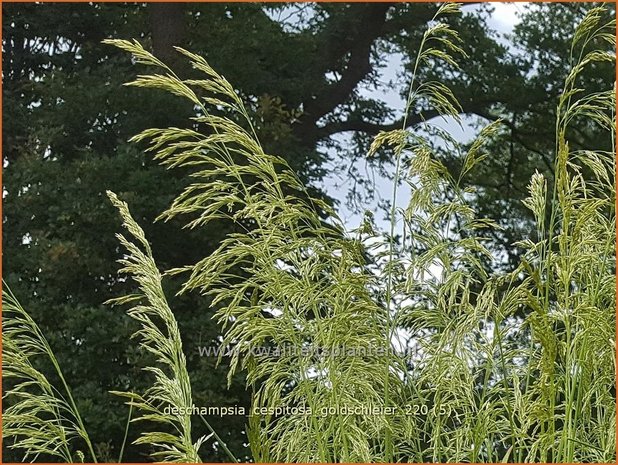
x=570, y=207
x=126, y=434
x=288, y=261
x=159, y=335
x=40, y=418
x=437, y=93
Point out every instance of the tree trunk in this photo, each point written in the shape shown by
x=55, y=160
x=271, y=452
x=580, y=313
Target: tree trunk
x=168, y=29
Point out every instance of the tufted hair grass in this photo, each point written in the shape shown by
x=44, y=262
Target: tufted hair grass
x=508, y=367
x=42, y=417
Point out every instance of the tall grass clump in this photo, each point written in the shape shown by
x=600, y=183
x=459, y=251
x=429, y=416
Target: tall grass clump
x=159, y=335
x=506, y=367
x=503, y=387
x=291, y=282
x=42, y=417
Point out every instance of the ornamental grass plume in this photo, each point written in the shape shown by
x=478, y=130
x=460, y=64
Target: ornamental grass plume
x=507, y=367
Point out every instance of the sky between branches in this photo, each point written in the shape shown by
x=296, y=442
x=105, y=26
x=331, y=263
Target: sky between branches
x=336, y=184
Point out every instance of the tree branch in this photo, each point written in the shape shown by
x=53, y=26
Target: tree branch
x=360, y=43
x=372, y=128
